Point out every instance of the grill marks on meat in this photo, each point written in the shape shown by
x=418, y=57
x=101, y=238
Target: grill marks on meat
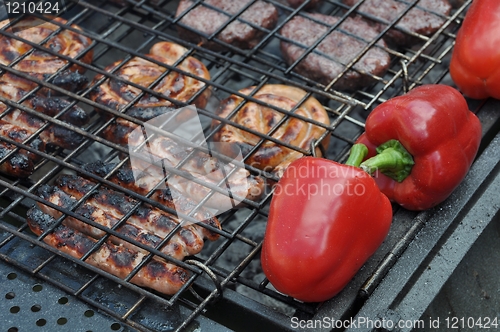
x=147, y=217
x=118, y=94
x=117, y=260
x=329, y=59
x=168, y=197
x=146, y=226
x=206, y=21
x=41, y=64
x=203, y=170
x=20, y=163
x=120, y=253
x=270, y=156
x=53, y=135
x=425, y=18
x=23, y=124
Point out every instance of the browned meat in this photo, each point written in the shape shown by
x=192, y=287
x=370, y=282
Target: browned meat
x=339, y=48
x=53, y=106
x=14, y=88
x=205, y=170
x=20, y=164
x=53, y=135
x=117, y=94
x=206, y=21
x=425, y=20
x=270, y=156
x=152, y=219
x=168, y=197
x=41, y=64
x=138, y=227
x=118, y=260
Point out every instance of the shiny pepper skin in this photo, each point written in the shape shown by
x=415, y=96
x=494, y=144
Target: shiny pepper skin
x=325, y=220
x=434, y=124
x=475, y=61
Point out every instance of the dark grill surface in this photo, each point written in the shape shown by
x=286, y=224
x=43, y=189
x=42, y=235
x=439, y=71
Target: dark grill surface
x=227, y=287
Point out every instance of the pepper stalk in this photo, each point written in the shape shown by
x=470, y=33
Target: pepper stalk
x=392, y=159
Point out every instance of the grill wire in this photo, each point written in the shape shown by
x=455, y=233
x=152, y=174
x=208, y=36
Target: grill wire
x=123, y=32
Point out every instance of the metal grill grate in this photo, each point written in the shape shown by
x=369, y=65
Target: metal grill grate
x=120, y=32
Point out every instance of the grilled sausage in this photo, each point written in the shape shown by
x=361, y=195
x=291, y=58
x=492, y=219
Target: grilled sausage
x=182, y=244
x=14, y=88
x=206, y=21
x=208, y=170
x=339, y=48
x=117, y=94
x=22, y=162
x=147, y=217
x=168, y=197
x=117, y=260
x=425, y=19
x=270, y=156
x=41, y=64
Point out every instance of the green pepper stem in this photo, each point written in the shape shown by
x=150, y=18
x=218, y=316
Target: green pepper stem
x=392, y=160
x=357, y=154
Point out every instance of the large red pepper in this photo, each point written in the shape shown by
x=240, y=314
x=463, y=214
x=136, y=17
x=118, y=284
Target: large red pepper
x=426, y=141
x=325, y=220
x=475, y=61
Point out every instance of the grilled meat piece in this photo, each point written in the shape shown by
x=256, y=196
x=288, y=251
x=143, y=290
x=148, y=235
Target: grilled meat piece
x=53, y=135
x=335, y=51
x=117, y=260
x=53, y=106
x=41, y=64
x=201, y=170
x=206, y=21
x=168, y=197
x=207, y=170
x=117, y=94
x=20, y=164
x=142, y=226
x=152, y=219
x=425, y=18
x=14, y=88
x=270, y=156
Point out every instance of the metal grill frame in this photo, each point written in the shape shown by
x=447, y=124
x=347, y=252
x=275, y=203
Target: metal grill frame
x=409, y=68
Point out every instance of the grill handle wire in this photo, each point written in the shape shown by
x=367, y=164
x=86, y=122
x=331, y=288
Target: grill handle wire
x=212, y=276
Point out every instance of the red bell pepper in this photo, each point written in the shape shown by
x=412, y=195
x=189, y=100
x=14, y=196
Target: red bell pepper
x=426, y=141
x=325, y=220
x=475, y=61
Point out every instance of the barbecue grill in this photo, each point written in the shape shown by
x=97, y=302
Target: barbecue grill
x=47, y=290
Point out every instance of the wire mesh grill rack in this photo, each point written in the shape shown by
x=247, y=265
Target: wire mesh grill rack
x=226, y=280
